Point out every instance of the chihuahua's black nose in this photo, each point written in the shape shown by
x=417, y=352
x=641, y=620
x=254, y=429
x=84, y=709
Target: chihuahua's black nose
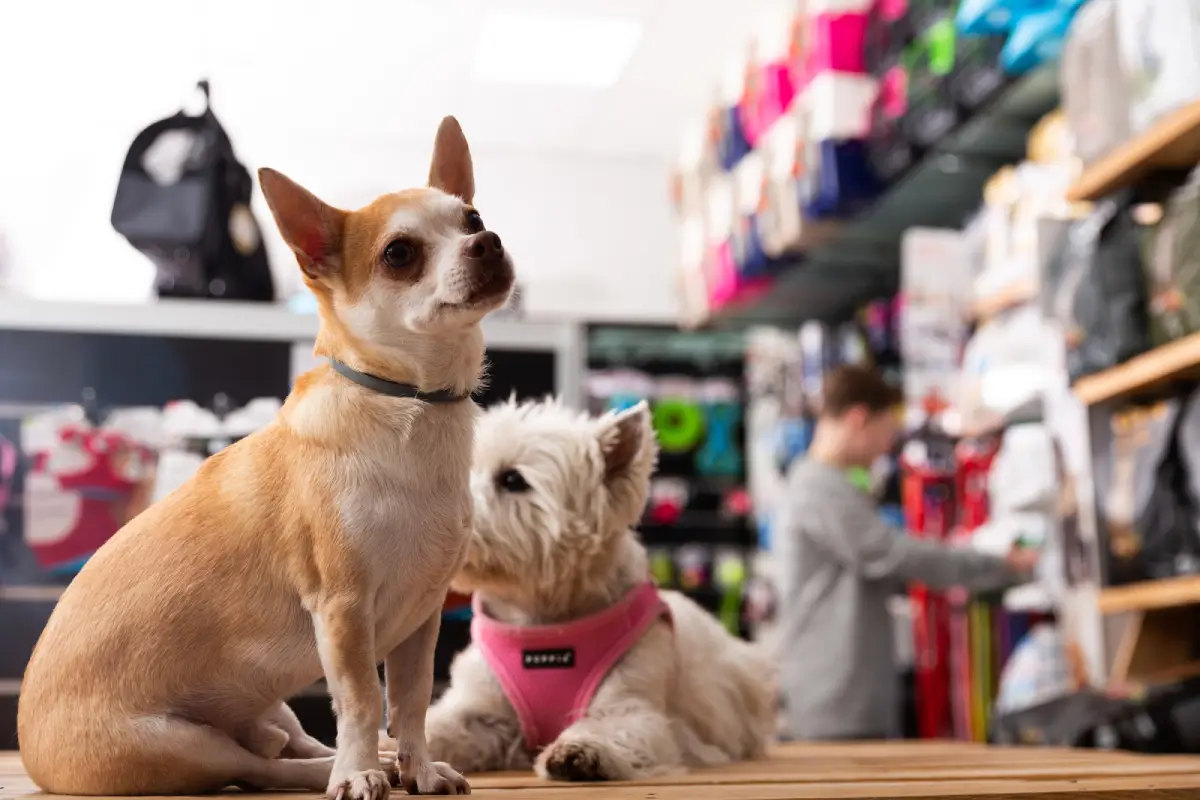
x=483, y=246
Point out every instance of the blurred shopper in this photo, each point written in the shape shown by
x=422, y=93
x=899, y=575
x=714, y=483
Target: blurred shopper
x=840, y=562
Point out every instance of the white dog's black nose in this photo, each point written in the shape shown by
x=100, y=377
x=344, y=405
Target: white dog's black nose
x=483, y=246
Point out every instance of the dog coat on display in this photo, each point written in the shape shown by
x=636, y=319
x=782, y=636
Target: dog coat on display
x=551, y=672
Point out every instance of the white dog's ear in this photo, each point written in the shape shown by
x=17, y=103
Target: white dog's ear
x=622, y=437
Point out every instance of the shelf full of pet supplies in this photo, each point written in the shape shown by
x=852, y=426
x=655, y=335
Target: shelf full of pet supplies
x=155, y=388
x=860, y=259
x=889, y=117
x=697, y=526
x=1170, y=143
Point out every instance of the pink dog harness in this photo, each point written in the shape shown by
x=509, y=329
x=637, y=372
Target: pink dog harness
x=551, y=672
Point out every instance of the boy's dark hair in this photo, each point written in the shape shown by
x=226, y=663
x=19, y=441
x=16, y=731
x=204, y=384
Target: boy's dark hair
x=848, y=386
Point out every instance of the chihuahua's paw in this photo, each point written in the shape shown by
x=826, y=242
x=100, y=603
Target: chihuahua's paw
x=576, y=761
x=370, y=784
x=433, y=777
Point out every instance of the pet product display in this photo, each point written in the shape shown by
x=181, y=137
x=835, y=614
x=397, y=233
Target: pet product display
x=929, y=512
x=1100, y=300
x=1095, y=96
x=698, y=512
x=828, y=37
x=1038, y=671
x=893, y=25
x=1172, y=264
x=1034, y=29
x=914, y=109
x=183, y=200
x=1159, y=51
x=1148, y=507
x=85, y=481
x=935, y=284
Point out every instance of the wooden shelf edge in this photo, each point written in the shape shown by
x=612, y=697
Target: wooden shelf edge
x=1136, y=157
x=1150, y=595
x=1140, y=372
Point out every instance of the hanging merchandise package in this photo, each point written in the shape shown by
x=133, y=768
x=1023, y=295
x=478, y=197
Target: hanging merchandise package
x=1038, y=671
x=85, y=482
x=1172, y=263
x=1189, y=453
x=1159, y=52
x=1095, y=97
x=1148, y=508
x=183, y=201
x=1004, y=367
x=1100, y=299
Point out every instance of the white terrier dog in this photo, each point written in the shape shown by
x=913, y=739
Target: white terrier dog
x=578, y=665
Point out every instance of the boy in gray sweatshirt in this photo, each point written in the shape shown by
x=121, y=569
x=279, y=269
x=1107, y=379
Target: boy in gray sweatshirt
x=839, y=564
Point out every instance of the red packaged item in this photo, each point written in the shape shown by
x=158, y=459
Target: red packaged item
x=928, y=494
x=83, y=485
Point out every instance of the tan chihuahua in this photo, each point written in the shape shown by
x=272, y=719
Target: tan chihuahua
x=323, y=544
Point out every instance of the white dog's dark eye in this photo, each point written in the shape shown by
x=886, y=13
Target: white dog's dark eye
x=474, y=221
x=511, y=480
x=400, y=254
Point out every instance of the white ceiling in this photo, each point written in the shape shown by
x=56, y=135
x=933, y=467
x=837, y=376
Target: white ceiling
x=354, y=72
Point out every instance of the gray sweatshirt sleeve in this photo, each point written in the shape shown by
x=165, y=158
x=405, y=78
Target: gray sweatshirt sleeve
x=842, y=522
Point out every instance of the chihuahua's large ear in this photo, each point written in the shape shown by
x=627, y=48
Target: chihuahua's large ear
x=311, y=227
x=451, y=169
x=625, y=438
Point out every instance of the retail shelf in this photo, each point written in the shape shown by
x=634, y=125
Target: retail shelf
x=1172, y=142
x=1149, y=595
x=224, y=319
x=31, y=594
x=733, y=535
x=1173, y=361
x=862, y=259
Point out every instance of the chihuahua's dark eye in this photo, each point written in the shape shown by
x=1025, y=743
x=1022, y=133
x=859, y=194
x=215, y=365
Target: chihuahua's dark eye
x=511, y=480
x=474, y=221
x=400, y=254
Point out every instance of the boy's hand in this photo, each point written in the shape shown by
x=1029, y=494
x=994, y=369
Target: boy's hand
x=1023, y=560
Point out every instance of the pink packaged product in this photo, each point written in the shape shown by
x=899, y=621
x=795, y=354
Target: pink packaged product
x=726, y=286
x=815, y=39
x=827, y=37
x=768, y=94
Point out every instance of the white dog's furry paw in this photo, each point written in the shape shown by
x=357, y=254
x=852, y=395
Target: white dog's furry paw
x=576, y=761
x=371, y=784
x=433, y=777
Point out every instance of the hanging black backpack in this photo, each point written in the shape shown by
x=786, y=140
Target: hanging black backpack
x=183, y=200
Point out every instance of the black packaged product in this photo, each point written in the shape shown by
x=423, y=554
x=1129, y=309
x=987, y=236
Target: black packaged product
x=914, y=109
x=1148, y=508
x=892, y=25
x=977, y=78
x=1100, y=297
x=1188, y=443
x=1161, y=722
x=1172, y=264
x=183, y=200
